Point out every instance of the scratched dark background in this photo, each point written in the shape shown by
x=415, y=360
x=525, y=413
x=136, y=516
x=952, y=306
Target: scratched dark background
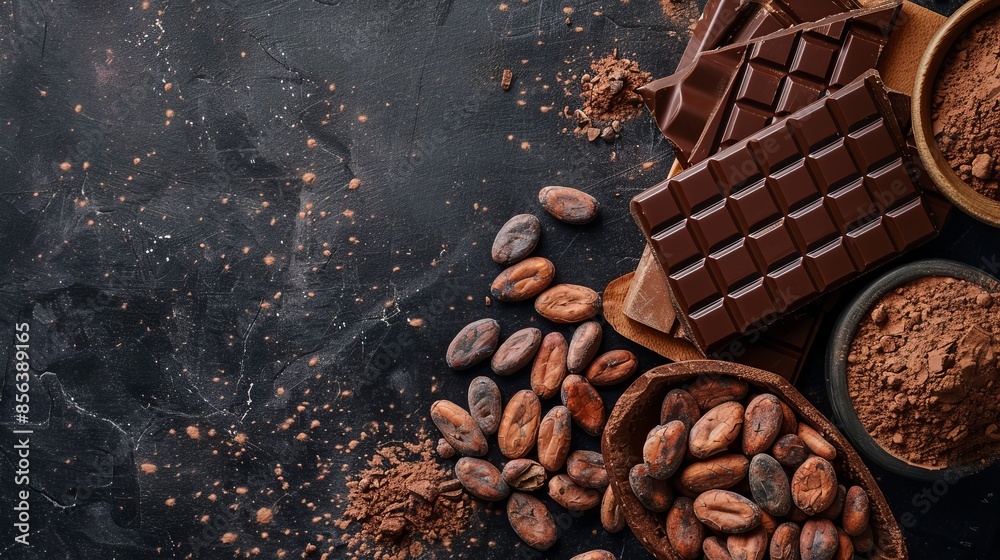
x=183, y=275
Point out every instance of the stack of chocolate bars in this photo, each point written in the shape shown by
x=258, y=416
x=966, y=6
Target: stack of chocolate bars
x=794, y=176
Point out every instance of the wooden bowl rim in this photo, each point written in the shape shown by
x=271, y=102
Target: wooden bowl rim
x=960, y=193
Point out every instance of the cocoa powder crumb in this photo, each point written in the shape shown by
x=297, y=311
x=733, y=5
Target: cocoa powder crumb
x=922, y=373
x=966, y=108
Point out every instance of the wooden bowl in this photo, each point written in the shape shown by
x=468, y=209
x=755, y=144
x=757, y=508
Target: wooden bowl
x=638, y=411
x=956, y=190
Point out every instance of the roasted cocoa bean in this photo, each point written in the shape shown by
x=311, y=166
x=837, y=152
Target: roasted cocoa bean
x=864, y=542
x=459, y=428
x=586, y=468
x=857, y=509
x=485, y=404
x=715, y=549
x=727, y=512
x=679, y=405
x=816, y=442
x=769, y=485
x=595, y=555
x=684, y=532
x=481, y=479
x=518, y=432
x=612, y=368
x=664, y=449
x=571, y=495
x=836, y=509
x=845, y=547
x=710, y=391
x=584, y=346
x=790, y=451
x=517, y=351
x=473, y=344
x=814, y=485
x=717, y=473
x=654, y=495
x=516, y=239
x=569, y=205
x=524, y=475
x=531, y=521
x=785, y=542
x=585, y=404
x=751, y=545
x=568, y=303
x=818, y=540
x=761, y=423
x=612, y=517
x=716, y=430
x=549, y=369
x=524, y=280
x=789, y=422
x=554, y=436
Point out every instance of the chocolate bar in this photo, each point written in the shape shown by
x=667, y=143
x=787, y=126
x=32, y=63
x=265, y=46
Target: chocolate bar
x=729, y=93
x=764, y=227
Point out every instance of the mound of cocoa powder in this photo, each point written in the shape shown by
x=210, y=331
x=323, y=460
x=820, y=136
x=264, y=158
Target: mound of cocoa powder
x=922, y=372
x=608, y=96
x=966, y=106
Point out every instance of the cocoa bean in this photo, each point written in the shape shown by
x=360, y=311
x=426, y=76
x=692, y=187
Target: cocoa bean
x=768, y=522
x=761, y=423
x=584, y=346
x=716, y=430
x=717, y=473
x=612, y=518
x=569, y=205
x=684, y=532
x=524, y=475
x=459, y=429
x=516, y=239
x=769, y=485
x=710, y=391
x=845, y=547
x=751, y=545
x=714, y=549
x=568, y=303
x=857, y=509
x=818, y=540
x=571, y=495
x=679, y=405
x=785, y=542
x=485, y=404
x=816, y=442
x=517, y=351
x=585, y=404
x=549, y=369
x=814, y=485
x=586, y=468
x=654, y=495
x=836, y=509
x=524, y=280
x=612, y=368
x=554, y=436
x=790, y=451
x=473, y=344
x=864, y=542
x=727, y=512
x=595, y=555
x=481, y=479
x=664, y=449
x=789, y=422
x=531, y=521
x=518, y=432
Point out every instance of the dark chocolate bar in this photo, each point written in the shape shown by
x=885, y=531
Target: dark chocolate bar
x=808, y=204
x=729, y=93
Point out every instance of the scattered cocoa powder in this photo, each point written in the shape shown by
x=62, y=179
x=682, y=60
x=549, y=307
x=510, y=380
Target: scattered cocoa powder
x=403, y=501
x=922, y=373
x=609, y=97
x=966, y=106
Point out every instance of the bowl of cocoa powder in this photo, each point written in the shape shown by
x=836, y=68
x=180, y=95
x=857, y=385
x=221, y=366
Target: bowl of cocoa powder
x=956, y=110
x=913, y=370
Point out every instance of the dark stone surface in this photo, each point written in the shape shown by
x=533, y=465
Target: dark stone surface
x=187, y=276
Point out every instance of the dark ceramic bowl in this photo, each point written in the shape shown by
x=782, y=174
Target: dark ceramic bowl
x=840, y=347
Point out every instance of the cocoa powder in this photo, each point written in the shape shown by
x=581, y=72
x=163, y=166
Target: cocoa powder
x=966, y=108
x=922, y=373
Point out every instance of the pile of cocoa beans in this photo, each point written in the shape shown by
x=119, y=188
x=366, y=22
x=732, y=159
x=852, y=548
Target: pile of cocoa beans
x=740, y=477
x=536, y=442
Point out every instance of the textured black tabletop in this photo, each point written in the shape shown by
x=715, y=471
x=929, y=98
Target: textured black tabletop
x=181, y=278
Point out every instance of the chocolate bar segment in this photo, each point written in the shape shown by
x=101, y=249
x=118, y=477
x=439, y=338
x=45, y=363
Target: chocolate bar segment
x=769, y=224
x=729, y=93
